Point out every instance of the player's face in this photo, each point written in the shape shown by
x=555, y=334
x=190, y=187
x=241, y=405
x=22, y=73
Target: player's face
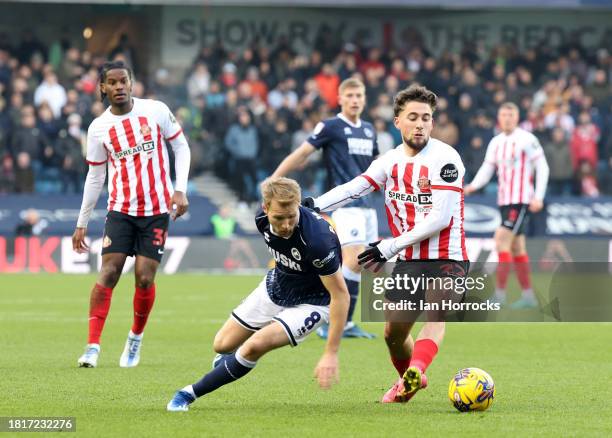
x=283, y=218
x=117, y=86
x=352, y=101
x=508, y=119
x=415, y=123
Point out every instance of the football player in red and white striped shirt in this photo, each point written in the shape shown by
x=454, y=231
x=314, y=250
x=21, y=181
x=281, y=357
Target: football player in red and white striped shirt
x=422, y=180
x=517, y=156
x=130, y=139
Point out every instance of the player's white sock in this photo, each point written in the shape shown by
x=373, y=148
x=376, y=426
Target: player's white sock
x=189, y=389
x=528, y=293
x=500, y=294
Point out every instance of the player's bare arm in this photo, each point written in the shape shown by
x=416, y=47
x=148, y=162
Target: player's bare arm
x=295, y=160
x=326, y=370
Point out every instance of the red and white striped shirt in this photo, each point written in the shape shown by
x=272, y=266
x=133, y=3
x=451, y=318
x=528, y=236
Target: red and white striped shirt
x=515, y=157
x=134, y=144
x=408, y=184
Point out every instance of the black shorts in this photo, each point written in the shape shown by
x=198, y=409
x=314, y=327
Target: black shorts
x=515, y=217
x=421, y=271
x=131, y=235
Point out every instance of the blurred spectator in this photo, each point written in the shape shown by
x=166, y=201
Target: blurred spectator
x=584, y=140
x=328, y=81
x=31, y=225
x=8, y=177
x=241, y=142
x=27, y=145
x=557, y=151
x=383, y=138
x=445, y=129
x=560, y=117
x=283, y=95
x=51, y=92
x=70, y=149
x=29, y=46
x=198, y=82
x=587, y=183
x=473, y=157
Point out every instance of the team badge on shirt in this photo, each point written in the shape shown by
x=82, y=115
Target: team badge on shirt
x=145, y=130
x=424, y=183
x=296, y=254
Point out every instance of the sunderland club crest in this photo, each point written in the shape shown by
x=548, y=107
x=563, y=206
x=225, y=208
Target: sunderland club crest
x=145, y=130
x=424, y=183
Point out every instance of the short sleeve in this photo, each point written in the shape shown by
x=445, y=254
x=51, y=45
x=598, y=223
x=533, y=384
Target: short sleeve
x=170, y=128
x=96, y=151
x=325, y=256
x=376, y=174
x=321, y=135
x=448, y=173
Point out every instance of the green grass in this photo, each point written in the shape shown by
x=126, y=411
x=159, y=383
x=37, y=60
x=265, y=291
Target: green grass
x=552, y=379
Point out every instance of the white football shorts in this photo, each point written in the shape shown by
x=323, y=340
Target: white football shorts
x=257, y=310
x=356, y=225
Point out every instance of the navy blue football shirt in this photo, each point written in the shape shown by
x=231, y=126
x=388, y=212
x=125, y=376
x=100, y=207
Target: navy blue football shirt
x=348, y=151
x=312, y=250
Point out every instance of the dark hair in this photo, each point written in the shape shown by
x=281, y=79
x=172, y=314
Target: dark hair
x=414, y=93
x=112, y=65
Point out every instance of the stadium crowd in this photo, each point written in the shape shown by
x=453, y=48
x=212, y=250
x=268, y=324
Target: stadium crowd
x=243, y=112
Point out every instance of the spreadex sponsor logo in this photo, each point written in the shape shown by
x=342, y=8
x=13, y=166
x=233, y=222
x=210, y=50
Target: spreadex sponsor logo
x=143, y=147
x=418, y=198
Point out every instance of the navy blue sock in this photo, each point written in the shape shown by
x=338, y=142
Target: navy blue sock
x=353, y=288
x=226, y=372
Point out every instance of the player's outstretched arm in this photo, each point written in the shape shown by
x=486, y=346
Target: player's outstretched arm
x=344, y=194
x=327, y=368
x=295, y=160
x=91, y=192
x=483, y=176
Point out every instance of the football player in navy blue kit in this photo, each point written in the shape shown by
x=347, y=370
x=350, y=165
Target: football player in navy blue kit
x=305, y=289
x=349, y=147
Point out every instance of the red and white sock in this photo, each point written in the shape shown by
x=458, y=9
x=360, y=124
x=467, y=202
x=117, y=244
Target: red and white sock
x=98, y=310
x=143, y=303
x=423, y=354
x=521, y=264
x=503, y=271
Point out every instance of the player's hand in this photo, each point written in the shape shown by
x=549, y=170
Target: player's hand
x=78, y=241
x=536, y=205
x=326, y=371
x=179, y=200
x=372, y=257
x=310, y=203
x=468, y=190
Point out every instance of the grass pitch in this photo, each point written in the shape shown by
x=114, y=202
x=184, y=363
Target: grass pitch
x=552, y=379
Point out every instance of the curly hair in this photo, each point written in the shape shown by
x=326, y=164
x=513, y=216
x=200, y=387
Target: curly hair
x=414, y=93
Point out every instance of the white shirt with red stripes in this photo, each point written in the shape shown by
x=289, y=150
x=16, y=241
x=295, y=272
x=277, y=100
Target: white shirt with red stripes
x=423, y=200
x=134, y=145
x=516, y=157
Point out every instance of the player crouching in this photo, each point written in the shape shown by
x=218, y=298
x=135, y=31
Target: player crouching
x=304, y=290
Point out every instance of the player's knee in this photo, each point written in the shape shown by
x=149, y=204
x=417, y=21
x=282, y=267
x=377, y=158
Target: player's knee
x=144, y=280
x=109, y=274
x=253, y=349
x=221, y=345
